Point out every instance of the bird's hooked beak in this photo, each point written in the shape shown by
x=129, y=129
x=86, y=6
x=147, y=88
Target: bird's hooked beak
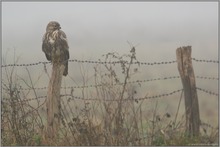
x=58, y=27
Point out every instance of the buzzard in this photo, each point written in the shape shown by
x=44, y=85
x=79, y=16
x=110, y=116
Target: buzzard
x=55, y=45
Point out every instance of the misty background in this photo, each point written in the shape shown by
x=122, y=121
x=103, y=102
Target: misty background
x=157, y=29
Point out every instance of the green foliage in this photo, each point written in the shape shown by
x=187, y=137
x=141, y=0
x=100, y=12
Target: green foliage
x=37, y=139
x=159, y=141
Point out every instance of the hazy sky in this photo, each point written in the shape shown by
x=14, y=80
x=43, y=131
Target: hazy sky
x=95, y=28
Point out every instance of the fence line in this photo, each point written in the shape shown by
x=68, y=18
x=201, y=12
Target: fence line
x=206, y=61
x=54, y=97
x=131, y=99
x=118, y=62
x=207, y=91
x=113, y=62
x=131, y=82
x=96, y=62
x=207, y=78
x=72, y=97
x=99, y=85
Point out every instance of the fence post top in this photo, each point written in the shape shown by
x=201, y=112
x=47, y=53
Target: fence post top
x=185, y=48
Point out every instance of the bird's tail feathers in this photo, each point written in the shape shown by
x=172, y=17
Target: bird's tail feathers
x=65, y=73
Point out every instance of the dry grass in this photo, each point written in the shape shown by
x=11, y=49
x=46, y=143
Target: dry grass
x=101, y=122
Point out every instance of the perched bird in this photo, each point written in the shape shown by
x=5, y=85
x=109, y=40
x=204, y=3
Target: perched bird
x=55, y=45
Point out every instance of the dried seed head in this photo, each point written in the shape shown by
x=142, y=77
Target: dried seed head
x=74, y=119
x=167, y=115
x=158, y=118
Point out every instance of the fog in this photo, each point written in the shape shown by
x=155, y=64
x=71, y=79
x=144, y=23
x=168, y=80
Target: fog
x=95, y=28
x=156, y=29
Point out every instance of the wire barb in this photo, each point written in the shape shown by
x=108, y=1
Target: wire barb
x=206, y=61
x=93, y=62
x=207, y=91
x=99, y=85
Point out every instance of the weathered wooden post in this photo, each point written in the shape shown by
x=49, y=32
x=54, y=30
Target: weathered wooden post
x=53, y=95
x=185, y=68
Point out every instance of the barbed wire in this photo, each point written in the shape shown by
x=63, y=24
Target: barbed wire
x=131, y=82
x=207, y=91
x=25, y=100
x=95, y=62
x=72, y=97
x=99, y=85
x=133, y=99
x=30, y=64
x=207, y=61
x=124, y=62
x=112, y=62
x=207, y=78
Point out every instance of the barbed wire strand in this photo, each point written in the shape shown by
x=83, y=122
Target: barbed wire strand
x=207, y=91
x=113, y=62
x=131, y=82
x=206, y=61
x=207, y=78
x=134, y=99
x=72, y=97
x=99, y=85
x=96, y=62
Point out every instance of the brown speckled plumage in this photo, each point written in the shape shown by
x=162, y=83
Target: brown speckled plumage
x=55, y=43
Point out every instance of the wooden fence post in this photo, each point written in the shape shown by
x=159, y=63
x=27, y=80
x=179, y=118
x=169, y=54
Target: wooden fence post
x=53, y=97
x=186, y=72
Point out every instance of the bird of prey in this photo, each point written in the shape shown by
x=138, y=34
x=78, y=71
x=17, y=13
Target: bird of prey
x=55, y=45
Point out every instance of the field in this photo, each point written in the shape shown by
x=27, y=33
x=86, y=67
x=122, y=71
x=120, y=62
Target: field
x=105, y=102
